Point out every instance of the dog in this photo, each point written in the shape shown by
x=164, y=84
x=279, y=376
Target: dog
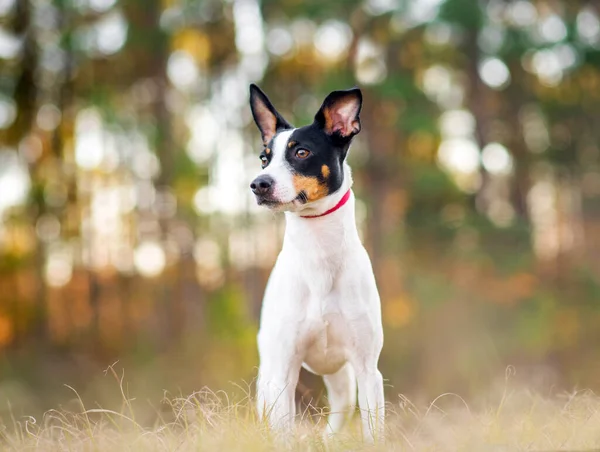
x=321, y=308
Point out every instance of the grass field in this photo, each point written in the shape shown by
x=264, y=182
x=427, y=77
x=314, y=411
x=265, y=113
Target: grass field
x=206, y=421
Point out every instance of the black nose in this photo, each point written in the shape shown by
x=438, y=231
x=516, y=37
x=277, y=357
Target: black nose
x=261, y=185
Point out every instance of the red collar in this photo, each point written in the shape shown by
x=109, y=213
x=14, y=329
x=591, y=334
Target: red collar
x=340, y=204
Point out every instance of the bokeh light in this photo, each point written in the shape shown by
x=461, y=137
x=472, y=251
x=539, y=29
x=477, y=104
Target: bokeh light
x=460, y=155
x=8, y=112
x=457, y=123
x=182, y=70
x=100, y=5
x=332, y=39
x=523, y=13
x=10, y=45
x=59, y=265
x=496, y=159
x=204, y=133
x=370, y=63
x=588, y=27
x=111, y=33
x=377, y=7
x=553, y=29
x=48, y=228
x=279, y=41
x=14, y=180
x=48, y=117
x=149, y=259
x=6, y=6
x=494, y=73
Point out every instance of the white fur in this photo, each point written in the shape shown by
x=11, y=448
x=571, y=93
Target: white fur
x=279, y=169
x=321, y=310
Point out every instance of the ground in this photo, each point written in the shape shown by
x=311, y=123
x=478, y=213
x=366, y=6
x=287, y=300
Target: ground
x=510, y=419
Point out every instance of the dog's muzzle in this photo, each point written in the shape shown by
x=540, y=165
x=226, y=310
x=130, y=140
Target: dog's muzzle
x=262, y=187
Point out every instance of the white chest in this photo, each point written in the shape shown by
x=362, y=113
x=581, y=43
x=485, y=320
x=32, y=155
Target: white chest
x=325, y=336
x=321, y=302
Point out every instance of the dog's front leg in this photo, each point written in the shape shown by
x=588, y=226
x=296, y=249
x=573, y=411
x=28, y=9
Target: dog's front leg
x=371, y=403
x=276, y=388
x=370, y=391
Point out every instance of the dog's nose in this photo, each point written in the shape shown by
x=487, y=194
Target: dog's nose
x=261, y=185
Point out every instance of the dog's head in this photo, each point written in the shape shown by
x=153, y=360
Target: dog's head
x=303, y=165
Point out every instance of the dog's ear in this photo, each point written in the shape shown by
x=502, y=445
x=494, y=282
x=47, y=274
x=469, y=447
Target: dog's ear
x=339, y=114
x=265, y=116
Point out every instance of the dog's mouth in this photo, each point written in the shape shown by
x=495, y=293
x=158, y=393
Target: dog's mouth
x=268, y=202
x=276, y=204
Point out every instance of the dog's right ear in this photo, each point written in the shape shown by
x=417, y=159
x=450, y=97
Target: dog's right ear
x=339, y=114
x=265, y=116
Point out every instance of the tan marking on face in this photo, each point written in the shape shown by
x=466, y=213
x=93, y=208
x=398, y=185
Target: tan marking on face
x=311, y=186
x=267, y=151
x=325, y=171
x=291, y=144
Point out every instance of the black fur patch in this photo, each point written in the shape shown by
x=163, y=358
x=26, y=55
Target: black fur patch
x=324, y=150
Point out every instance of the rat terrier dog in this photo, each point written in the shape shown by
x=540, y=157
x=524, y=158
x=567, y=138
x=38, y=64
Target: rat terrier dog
x=321, y=308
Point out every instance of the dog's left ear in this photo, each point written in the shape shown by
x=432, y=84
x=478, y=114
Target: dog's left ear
x=265, y=115
x=339, y=114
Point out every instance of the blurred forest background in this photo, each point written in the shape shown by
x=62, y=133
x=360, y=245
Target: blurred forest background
x=128, y=232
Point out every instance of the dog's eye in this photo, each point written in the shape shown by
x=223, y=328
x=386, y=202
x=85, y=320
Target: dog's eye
x=302, y=153
x=263, y=160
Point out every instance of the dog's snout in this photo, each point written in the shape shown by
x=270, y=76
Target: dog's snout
x=261, y=185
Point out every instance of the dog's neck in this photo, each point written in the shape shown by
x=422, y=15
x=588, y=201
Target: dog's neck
x=324, y=236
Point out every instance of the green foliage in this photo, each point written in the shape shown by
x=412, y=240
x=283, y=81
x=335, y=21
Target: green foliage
x=466, y=13
x=430, y=191
x=312, y=9
x=228, y=314
x=531, y=332
x=516, y=43
x=432, y=290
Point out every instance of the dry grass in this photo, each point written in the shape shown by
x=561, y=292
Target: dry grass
x=207, y=421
